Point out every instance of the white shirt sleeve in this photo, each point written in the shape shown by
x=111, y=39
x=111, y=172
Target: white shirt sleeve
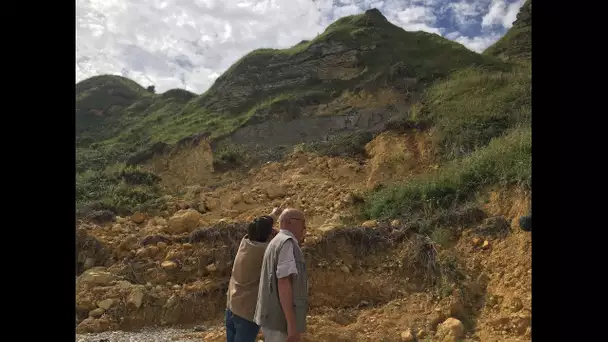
x=287, y=262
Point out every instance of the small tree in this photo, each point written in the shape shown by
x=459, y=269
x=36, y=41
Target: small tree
x=151, y=89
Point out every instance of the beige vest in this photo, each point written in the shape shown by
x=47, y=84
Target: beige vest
x=243, y=287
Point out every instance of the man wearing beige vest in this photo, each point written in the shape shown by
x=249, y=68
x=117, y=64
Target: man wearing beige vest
x=283, y=292
x=244, y=281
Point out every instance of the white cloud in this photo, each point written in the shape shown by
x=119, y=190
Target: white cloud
x=466, y=12
x=416, y=18
x=189, y=43
x=477, y=44
x=501, y=13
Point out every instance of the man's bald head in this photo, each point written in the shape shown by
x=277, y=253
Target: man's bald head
x=294, y=221
x=290, y=213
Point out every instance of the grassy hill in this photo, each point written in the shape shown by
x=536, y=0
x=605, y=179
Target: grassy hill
x=481, y=124
x=469, y=98
x=516, y=44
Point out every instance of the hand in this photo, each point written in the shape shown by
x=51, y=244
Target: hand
x=276, y=212
x=293, y=335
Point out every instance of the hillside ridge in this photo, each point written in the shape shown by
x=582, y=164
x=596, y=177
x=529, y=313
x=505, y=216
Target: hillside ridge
x=412, y=175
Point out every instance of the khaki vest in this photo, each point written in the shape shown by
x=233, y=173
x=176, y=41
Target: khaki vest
x=269, y=312
x=243, y=287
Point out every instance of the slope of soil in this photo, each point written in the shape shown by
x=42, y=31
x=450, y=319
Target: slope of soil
x=368, y=283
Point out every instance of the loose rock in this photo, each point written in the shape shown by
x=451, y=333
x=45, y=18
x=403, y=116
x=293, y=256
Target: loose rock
x=407, y=336
x=451, y=326
x=369, y=224
x=96, y=313
x=183, y=221
x=168, y=265
x=138, y=217
x=106, y=304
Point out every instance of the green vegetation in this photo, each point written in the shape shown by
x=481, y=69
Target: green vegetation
x=377, y=45
x=228, y=157
x=516, y=44
x=340, y=145
x=485, y=97
x=505, y=161
x=120, y=189
x=481, y=120
x=474, y=105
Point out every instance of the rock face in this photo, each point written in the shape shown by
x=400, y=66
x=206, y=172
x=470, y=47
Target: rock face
x=91, y=252
x=292, y=94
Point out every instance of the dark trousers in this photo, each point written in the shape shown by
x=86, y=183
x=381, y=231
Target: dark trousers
x=239, y=329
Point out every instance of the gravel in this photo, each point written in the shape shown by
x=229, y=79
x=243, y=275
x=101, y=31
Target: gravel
x=144, y=335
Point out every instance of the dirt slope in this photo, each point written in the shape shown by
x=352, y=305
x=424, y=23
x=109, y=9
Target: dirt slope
x=372, y=281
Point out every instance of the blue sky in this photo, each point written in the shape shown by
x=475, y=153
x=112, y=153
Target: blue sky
x=189, y=43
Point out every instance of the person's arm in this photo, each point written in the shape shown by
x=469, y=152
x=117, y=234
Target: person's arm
x=286, y=270
x=286, y=298
x=276, y=212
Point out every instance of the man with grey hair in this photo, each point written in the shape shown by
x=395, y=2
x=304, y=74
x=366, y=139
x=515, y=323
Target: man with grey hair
x=283, y=292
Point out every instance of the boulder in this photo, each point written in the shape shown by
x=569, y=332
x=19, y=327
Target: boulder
x=183, y=221
x=96, y=276
x=451, y=327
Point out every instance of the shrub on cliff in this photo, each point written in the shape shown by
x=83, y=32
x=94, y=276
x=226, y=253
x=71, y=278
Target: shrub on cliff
x=505, y=161
x=120, y=189
x=342, y=145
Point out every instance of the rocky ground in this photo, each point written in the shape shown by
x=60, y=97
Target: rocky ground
x=372, y=281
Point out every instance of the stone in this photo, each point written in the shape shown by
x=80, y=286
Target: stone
x=330, y=226
x=486, y=244
x=168, y=265
x=274, y=191
x=187, y=246
x=142, y=252
x=106, y=304
x=212, y=268
x=494, y=226
x=84, y=304
x=452, y=326
x=421, y=334
x=129, y=243
x=138, y=217
x=92, y=325
x=345, y=269
x=407, y=336
x=237, y=198
x=172, y=301
x=369, y=224
x=161, y=245
x=88, y=263
x=96, y=313
x=96, y=276
x=248, y=199
x=135, y=299
x=153, y=250
x=516, y=304
x=395, y=223
x=212, y=204
x=183, y=221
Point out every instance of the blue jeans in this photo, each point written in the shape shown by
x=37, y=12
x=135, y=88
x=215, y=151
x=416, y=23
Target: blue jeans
x=239, y=329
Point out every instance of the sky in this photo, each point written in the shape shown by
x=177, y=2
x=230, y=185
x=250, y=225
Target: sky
x=188, y=43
